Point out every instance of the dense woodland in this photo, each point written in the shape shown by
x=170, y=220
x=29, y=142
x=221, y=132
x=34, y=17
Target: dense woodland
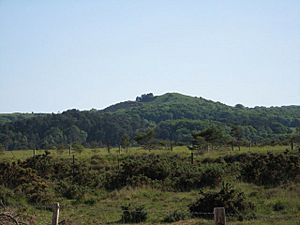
x=170, y=119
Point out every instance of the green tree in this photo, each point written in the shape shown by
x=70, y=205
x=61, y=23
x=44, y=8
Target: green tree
x=146, y=139
x=125, y=142
x=213, y=136
x=237, y=136
x=295, y=138
x=75, y=135
x=198, y=143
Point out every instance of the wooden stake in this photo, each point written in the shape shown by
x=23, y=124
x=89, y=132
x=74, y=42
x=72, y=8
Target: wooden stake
x=192, y=158
x=55, y=215
x=219, y=216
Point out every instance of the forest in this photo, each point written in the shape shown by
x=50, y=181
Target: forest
x=151, y=121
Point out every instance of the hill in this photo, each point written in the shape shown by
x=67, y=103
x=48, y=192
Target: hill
x=170, y=117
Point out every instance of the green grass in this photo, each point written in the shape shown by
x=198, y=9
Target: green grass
x=158, y=204
x=86, y=154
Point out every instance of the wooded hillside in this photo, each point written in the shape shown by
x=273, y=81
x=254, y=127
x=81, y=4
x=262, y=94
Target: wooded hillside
x=171, y=117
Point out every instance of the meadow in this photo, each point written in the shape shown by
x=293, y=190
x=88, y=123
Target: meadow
x=278, y=204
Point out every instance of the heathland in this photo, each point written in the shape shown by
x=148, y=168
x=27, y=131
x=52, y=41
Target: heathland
x=158, y=159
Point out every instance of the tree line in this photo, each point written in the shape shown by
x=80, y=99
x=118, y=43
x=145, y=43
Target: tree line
x=153, y=121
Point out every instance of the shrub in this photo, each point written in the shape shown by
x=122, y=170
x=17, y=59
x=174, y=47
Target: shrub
x=7, y=197
x=232, y=200
x=137, y=170
x=174, y=216
x=24, y=182
x=133, y=214
x=77, y=147
x=90, y=201
x=186, y=178
x=139, y=181
x=35, y=193
x=70, y=191
x=278, y=206
x=212, y=176
x=267, y=169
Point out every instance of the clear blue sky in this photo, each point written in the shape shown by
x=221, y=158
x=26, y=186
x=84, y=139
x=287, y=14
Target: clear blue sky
x=57, y=55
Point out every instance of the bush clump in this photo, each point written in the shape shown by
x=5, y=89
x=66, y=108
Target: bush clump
x=8, y=197
x=133, y=214
x=278, y=206
x=268, y=169
x=70, y=191
x=174, y=217
x=25, y=182
x=233, y=201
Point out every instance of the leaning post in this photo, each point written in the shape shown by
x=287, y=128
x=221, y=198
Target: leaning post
x=219, y=216
x=55, y=215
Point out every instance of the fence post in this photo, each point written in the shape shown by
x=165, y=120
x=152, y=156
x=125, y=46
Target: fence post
x=55, y=215
x=219, y=216
x=192, y=157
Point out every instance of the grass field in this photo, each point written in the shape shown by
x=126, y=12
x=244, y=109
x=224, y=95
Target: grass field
x=9, y=156
x=100, y=206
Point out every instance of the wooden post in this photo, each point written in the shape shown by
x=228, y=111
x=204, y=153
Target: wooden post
x=192, y=157
x=55, y=215
x=219, y=216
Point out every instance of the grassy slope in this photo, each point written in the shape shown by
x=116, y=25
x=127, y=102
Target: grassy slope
x=158, y=203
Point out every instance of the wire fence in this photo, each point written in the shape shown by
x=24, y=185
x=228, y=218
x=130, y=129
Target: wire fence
x=116, y=215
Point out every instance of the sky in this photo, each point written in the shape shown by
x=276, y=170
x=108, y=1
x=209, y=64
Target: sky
x=59, y=54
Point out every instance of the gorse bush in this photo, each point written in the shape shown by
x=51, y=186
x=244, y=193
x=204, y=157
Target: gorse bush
x=57, y=169
x=174, y=217
x=279, y=206
x=8, y=197
x=171, y=172
x=24, y=181
x=265, y=169
x=233, y=201
x=271, y=169
x=70, y=191
x=133, y=214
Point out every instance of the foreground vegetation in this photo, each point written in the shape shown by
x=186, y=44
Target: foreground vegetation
x=259, y=185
